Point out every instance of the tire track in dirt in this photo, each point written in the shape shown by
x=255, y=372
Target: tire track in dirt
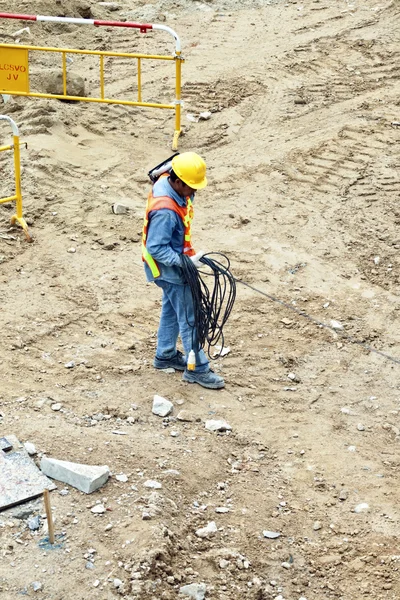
x=334, y=165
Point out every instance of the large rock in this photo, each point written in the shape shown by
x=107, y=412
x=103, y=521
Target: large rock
x=75, y=84
x=86, y=478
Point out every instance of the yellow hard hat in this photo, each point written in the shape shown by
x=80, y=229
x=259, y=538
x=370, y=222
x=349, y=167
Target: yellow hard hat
x=191, y=169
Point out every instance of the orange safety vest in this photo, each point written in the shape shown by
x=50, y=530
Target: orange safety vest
x=185, y=213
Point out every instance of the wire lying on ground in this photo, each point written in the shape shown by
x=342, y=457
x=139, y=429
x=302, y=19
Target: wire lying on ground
x=302, y=313
x=208, y=307
x=212, y=305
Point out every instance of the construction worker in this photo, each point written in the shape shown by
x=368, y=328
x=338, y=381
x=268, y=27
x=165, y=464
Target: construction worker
x=166, y=237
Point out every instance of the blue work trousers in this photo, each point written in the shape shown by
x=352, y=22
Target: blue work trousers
x=177, y=318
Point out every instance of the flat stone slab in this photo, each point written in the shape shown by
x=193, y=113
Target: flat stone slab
x=86, y=478
x=20, y=479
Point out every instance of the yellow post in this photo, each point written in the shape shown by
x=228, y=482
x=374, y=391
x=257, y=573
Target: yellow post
x=17, y=169
x=64, y=62
x=178, y=84
x=139, y=79
x=18, y=218
x=102, y=76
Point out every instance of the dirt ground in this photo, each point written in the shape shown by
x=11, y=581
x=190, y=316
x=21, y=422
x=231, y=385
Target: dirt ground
x=303, y=162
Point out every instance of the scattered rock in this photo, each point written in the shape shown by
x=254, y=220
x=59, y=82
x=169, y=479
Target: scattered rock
x=196, y=591
x=293, y=377
x=185, y=415
x=171, y=473
x=154, y=485
x=222, y=509
x=56, y=406
x=30, y=448
x=336, y=325
x=98, y=509
x=317, y=526
x=203, y=116
x=360, y=427
x=119, y=209
x=36, y=586
x=122, y=478
x=286, y=565
x=343, y=495
x=271, y=535
x=69, y=365
x=287, y=322
x=34, y=523
x=208, y=531
x=221, y=351
x=86, y=478
x=220, y=425
x=361, y=507
x=161, y=406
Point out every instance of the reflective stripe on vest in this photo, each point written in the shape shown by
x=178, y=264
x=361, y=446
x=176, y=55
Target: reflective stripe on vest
x=186, y=215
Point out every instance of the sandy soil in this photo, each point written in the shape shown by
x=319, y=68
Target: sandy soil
x=303, y=162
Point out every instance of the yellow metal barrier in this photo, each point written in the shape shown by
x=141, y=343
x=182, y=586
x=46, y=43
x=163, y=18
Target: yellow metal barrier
x=14, y=67
x=17, y=198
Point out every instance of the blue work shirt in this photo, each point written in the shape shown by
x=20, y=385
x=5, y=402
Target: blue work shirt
x=165, y=236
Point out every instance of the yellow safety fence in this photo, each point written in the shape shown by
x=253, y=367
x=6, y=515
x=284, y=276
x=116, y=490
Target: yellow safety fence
x=17, y=198
x=14, y=77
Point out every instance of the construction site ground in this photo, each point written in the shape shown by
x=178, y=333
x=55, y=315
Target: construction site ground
x=302, y=152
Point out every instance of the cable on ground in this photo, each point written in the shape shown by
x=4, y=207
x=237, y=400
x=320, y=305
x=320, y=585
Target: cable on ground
x=212, y=309
x=302, y=313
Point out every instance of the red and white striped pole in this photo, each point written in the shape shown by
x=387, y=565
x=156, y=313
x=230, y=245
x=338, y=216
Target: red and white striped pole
x=143, y=27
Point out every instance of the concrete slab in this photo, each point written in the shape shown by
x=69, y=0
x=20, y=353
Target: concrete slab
x=86, y=478
x=20, y=479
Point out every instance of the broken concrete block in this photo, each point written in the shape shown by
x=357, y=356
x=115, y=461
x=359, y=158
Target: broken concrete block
x=86, y=478
x=20, y=479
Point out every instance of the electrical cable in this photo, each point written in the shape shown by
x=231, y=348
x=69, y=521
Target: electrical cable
x=208, y=306
x=212, y=305
x=302, y=313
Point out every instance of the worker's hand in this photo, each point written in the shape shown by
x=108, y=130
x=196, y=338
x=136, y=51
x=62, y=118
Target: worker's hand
x=196, y=259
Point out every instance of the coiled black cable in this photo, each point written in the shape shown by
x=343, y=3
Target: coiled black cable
x=212, y=305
